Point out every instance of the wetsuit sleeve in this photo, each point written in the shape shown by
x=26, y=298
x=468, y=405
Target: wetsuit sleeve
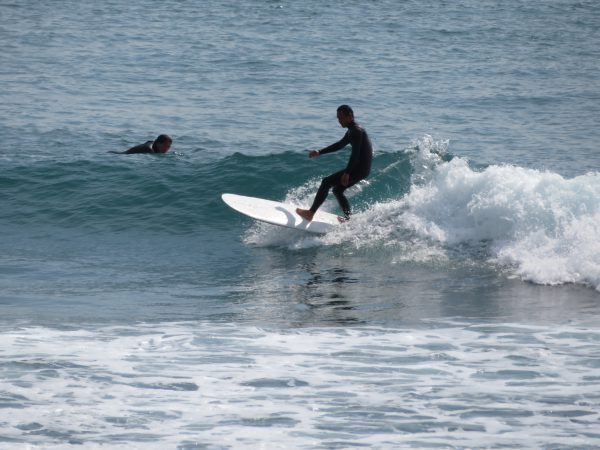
x=337, y=146
x=355, y=137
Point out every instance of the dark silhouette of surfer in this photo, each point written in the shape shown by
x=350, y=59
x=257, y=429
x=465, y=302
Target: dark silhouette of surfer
x=358, y=167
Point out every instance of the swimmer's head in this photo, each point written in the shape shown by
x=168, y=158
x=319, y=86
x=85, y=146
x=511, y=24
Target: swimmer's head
x=162, y=144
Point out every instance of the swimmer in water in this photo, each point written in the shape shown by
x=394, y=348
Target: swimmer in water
x=162, y=144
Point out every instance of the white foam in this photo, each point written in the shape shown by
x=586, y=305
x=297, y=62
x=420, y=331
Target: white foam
x=544, y=225
x=164, y=385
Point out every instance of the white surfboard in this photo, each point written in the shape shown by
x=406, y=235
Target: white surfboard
x=281, y=214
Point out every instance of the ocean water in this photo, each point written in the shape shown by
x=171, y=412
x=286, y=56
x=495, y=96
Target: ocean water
x=459, y=308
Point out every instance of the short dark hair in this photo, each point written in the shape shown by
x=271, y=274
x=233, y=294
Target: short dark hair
x=164, y=138
x=346, y=110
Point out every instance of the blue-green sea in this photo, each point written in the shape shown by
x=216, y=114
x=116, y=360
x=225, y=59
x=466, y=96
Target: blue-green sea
x=458, y=309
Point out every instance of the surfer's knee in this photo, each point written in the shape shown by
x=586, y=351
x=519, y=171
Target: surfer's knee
x=338, y=190
x=329, y=181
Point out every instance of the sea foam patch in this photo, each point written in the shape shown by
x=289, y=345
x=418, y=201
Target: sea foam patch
x=190, y=385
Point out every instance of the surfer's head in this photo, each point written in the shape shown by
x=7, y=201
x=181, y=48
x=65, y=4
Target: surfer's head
x=345, y=115
x=162, y=144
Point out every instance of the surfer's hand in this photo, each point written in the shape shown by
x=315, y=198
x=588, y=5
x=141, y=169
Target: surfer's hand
x=345, y=179
x=314, y=153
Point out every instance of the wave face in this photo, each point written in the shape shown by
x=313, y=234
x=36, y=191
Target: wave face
x=421, y=202
x=171, y=193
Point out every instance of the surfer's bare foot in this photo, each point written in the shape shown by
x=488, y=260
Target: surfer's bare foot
x=342, y=219
x=306, y=214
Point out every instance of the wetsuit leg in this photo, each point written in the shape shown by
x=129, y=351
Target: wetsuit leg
x=334, y=181
x=327, y=183
x=338, y=191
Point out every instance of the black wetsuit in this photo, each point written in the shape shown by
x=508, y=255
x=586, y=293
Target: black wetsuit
x=146, y=147
x=359, y=166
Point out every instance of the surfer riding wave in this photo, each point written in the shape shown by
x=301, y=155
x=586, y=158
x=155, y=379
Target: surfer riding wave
x=357, y=169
